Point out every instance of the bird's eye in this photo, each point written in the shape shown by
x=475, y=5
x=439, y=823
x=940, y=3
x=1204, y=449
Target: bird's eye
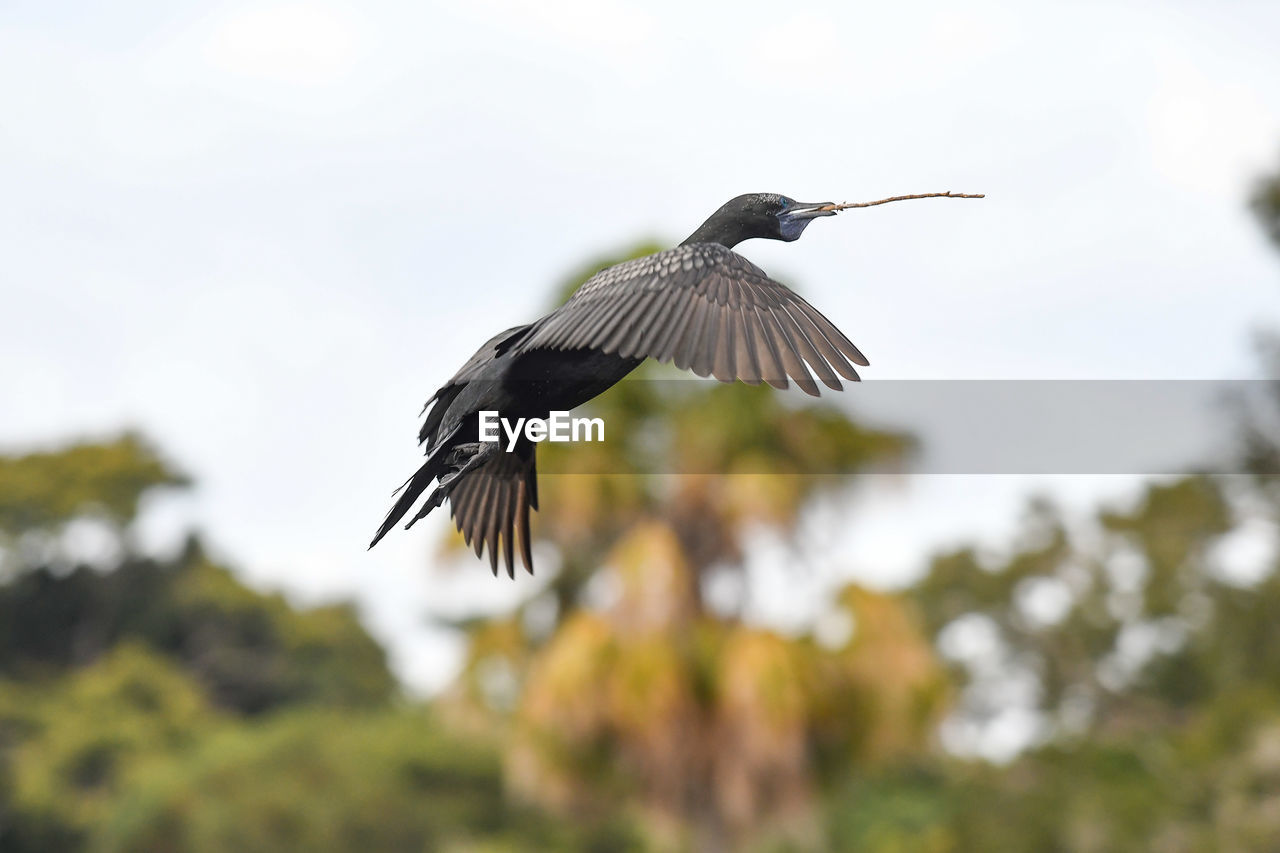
x=785, y=202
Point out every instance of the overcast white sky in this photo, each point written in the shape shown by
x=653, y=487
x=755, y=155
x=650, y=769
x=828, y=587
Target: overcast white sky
x=263, y=233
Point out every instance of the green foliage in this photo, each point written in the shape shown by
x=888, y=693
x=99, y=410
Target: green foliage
x=1191, y=789
x=106, y=480
x=163, y=705
x=251, y=651
x=128, y=755
x=72, y=746
x=254, y=652
x=1265, y=202
x=904, y=811
x=1150, y=573
x=1180, y=748
x=321, y=780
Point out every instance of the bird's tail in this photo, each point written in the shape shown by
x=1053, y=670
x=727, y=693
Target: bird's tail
x=445, y=463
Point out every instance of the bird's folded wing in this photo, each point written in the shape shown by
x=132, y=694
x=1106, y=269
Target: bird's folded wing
x=491, y=504
x=472, y=369
x=703, y=308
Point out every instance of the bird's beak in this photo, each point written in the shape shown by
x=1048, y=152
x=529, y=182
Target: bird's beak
x=804, y=210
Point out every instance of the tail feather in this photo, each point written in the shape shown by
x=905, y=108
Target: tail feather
x=490, y=495
x=437, y=465
x=491, y=506
x=409, y=494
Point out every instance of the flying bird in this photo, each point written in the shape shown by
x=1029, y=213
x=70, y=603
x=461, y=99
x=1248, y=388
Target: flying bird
x=700, y=306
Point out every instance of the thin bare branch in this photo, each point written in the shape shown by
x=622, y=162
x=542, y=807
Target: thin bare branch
x=848, y=204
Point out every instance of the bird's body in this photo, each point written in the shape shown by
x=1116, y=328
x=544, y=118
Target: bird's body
x=700, y=306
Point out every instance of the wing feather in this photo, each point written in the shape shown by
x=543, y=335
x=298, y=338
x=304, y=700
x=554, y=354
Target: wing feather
x=672, y=338
x=522, y=522
x=642, y=321
x=478, y=520
x=690, y=332
x=657, y=326
x=829, y=330
x=826, y=349
x=792, y=355
x=505, y=519
x=707, y=309
x=768, y=361
x=703, y=342
x=745, y=342
x=725, y=367
x=807, y=350
x=491, y=504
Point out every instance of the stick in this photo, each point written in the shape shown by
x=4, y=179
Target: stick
x=848, y=204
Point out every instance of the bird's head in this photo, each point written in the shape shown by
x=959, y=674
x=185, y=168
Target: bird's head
x=767, y=215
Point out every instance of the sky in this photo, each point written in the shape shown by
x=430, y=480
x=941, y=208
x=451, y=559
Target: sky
x=264, y=233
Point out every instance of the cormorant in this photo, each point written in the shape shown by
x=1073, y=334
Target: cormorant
x=700, y=306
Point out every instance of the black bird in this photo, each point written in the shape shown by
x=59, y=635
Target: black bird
x=700, y=306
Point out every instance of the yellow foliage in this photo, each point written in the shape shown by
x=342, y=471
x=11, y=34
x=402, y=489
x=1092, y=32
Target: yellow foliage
x=658, y=588
x=882, y=693
x=684, y=712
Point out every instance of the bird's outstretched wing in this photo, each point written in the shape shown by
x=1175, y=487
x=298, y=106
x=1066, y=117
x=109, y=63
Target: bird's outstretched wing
x=704, y=308
x=491, y=505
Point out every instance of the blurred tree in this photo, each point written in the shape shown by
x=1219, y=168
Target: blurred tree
x=1260, y=413
x=107, y=672
x=1153, y=672
x=254, y=652
x=1265, y=202
x=320, y=780
x=41, y=494
x=1086, y=627
x=127, y=754
x=251, y=651
x=69, y=747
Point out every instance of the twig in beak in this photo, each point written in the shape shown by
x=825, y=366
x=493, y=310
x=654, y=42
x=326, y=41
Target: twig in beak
x=848, y=204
